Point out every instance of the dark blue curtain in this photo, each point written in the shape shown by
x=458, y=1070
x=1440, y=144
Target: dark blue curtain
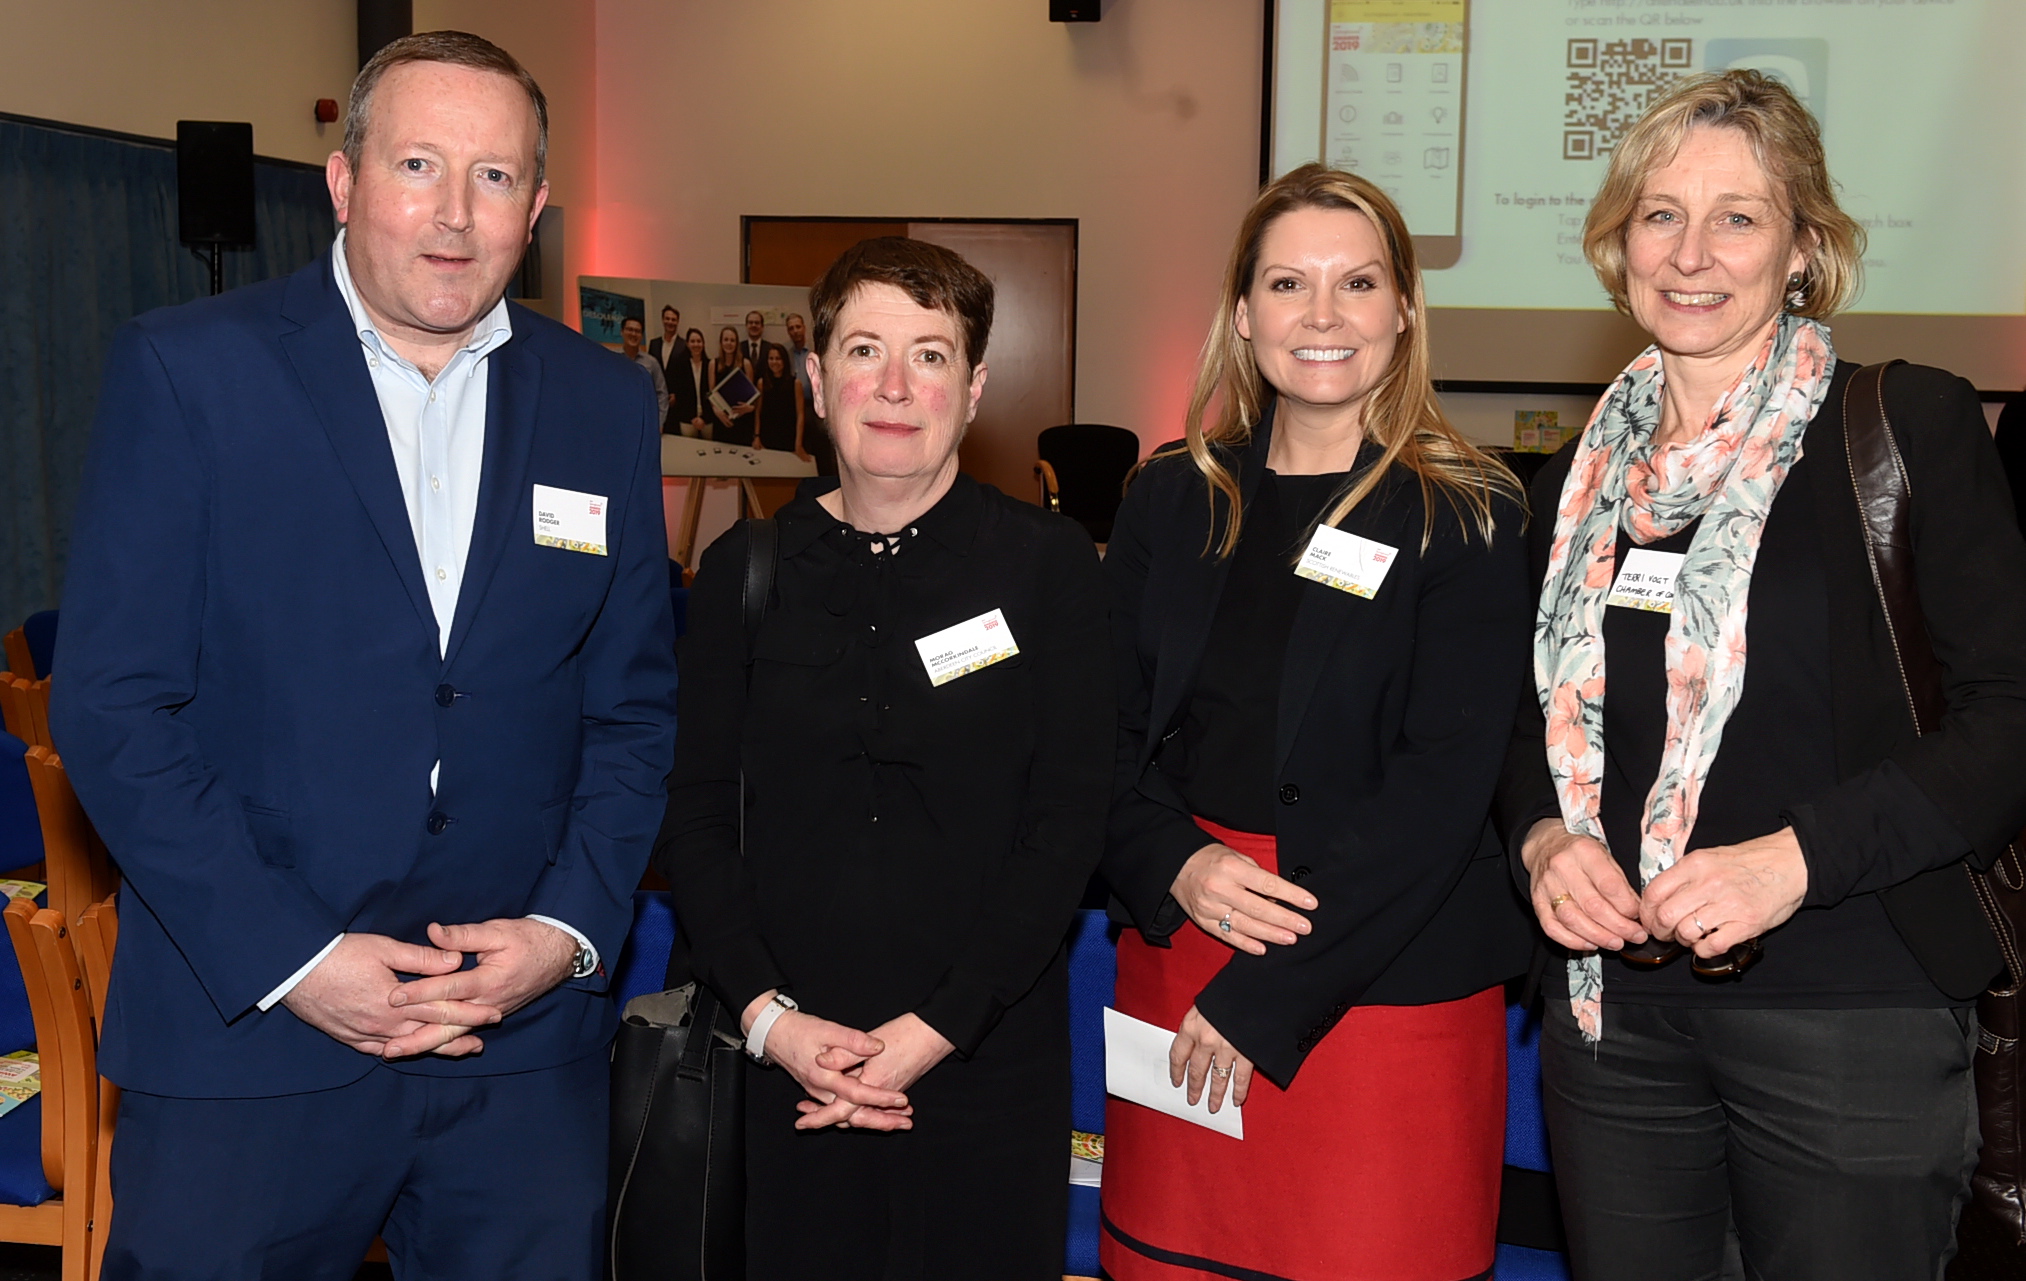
x=87, y=242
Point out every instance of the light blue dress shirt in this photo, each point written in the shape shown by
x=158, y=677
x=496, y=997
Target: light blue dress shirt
x=436, y=429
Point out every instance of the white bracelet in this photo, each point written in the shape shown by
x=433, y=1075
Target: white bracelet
x=756, y=1037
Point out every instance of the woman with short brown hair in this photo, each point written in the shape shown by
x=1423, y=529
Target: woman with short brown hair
x=886, y=802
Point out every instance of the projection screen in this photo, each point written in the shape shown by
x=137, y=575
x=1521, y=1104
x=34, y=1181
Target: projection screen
x=1491, y=123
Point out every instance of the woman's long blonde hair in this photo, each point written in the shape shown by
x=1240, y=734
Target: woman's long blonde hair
x=1402, y=413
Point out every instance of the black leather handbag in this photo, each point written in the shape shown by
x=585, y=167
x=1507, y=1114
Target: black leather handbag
x=1885, y=502
x=677, y=1176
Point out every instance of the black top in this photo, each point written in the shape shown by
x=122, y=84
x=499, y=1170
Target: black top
x=1821, y=738
x=1776, y=746
x=777, y=412
x=1222, y=761
x=907, y=846
x=1391, y=715
x=736, y=429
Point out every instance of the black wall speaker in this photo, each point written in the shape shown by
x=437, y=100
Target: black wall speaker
x=214, y=182
x=381, y=23
x=1075, y=10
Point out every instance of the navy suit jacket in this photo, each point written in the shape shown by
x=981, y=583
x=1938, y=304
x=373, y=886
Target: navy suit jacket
x=252, y=694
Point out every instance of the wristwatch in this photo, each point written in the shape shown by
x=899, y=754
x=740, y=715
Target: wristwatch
x=756, y=1037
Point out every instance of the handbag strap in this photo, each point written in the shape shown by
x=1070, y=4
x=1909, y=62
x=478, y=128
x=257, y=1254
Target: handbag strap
x=763, y=556
x=1885, y=513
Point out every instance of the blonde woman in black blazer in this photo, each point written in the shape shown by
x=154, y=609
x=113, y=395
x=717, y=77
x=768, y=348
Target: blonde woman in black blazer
x=1300, y=831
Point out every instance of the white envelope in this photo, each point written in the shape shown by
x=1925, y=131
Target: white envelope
x=1136, y=1069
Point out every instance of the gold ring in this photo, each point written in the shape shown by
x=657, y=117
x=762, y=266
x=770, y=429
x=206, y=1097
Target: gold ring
x=1558, y=900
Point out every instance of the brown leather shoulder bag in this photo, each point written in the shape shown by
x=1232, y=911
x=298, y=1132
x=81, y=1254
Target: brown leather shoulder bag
x=1885, y=509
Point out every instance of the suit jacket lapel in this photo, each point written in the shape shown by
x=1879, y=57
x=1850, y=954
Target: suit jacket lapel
x=513, y=391
x=326, y=357
x=1322, y=617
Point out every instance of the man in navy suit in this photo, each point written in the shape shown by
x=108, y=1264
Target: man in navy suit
x=368, y=684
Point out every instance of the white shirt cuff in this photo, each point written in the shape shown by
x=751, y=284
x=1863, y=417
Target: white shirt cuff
x=573, y=932
x=274, y=998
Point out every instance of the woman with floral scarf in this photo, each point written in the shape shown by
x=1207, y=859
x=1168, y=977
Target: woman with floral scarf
x=1757, y=1058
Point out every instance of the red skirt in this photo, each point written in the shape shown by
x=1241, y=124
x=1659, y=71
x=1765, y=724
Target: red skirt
x=1380, y=1163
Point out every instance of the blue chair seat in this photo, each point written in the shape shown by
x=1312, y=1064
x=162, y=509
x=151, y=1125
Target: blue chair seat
x=1517, y=1263
x=21, y=1181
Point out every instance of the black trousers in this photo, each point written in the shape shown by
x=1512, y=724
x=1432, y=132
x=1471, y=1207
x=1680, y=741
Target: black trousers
x=1775, y=1145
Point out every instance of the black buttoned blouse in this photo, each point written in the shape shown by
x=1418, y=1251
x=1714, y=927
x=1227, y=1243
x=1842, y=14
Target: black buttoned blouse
x=908, y=847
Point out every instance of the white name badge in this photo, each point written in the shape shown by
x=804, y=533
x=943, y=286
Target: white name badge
x=1646, y=580
x=963, y=649
x=1346, y=562
x=570, y=520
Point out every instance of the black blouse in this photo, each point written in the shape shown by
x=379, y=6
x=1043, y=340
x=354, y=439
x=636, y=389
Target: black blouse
x=1777, y=748
x=1223, y=759
x=907, y=846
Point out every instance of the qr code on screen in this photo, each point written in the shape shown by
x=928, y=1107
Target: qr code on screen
x=1611, y=83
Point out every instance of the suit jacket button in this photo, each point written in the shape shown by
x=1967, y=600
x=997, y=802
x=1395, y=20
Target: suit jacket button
x=1298, y=873
x=1289, y=793
x=438, y=820
x=446, y=695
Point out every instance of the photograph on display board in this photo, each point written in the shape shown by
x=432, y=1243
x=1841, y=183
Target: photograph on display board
x=739, y=425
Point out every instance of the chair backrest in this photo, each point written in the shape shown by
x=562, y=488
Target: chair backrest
x=24, y=708
x=64, y=1040
x=20, y=825
x=98, y=932
x=1090, y=463
x=39, y=633
x=20, y=659
x=1093, y=979
x=644, y=960
x=78, y=870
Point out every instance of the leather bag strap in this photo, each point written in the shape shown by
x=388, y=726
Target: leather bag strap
x=1885, y=511
x=763, y=556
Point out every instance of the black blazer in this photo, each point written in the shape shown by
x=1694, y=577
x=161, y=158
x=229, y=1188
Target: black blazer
x=1971, y=567
x=1394, y=717
x=688, y=398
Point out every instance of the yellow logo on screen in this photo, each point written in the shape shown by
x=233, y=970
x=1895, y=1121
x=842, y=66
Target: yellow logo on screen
x=1396, y=10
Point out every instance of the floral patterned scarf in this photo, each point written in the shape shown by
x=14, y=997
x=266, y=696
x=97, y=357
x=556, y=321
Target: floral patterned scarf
x=1727, y=476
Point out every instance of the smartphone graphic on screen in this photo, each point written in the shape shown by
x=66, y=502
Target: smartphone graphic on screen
x=1393, y=99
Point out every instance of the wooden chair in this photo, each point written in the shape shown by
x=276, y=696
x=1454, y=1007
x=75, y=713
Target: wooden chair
x=76, y=865
x=95, y=936
x=20, y=659
x=24, y=708
x=68, y=1049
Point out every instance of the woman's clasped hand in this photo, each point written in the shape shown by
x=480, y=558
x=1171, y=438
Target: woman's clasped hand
x=1232, y=898
x=828, y=1060
x=1710, y=901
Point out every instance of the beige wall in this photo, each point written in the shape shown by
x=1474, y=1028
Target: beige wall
x=139, y=66
x=553, y=40
x=1144, y=127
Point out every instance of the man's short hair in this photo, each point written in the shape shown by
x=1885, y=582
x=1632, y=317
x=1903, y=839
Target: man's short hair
x=936, y=278
x=632, y=320
x=459, y=49
x=668, y=307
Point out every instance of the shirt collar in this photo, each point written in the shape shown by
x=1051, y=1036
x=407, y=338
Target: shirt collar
x=492, y=330
x=953, y=521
